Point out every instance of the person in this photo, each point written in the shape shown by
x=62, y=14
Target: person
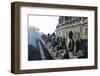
x=48, y=41
x=77, y=45
x=49, y=38
x=70, y=45
x=54, y=40
x=63, y=42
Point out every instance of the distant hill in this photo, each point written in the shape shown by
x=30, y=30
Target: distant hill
x=33, y=35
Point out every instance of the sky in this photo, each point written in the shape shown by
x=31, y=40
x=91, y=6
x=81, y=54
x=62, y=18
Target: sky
x=46, y=24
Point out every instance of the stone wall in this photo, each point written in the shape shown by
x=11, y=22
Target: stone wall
x=78, y=25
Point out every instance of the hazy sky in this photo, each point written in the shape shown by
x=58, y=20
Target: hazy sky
x=46, y=24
